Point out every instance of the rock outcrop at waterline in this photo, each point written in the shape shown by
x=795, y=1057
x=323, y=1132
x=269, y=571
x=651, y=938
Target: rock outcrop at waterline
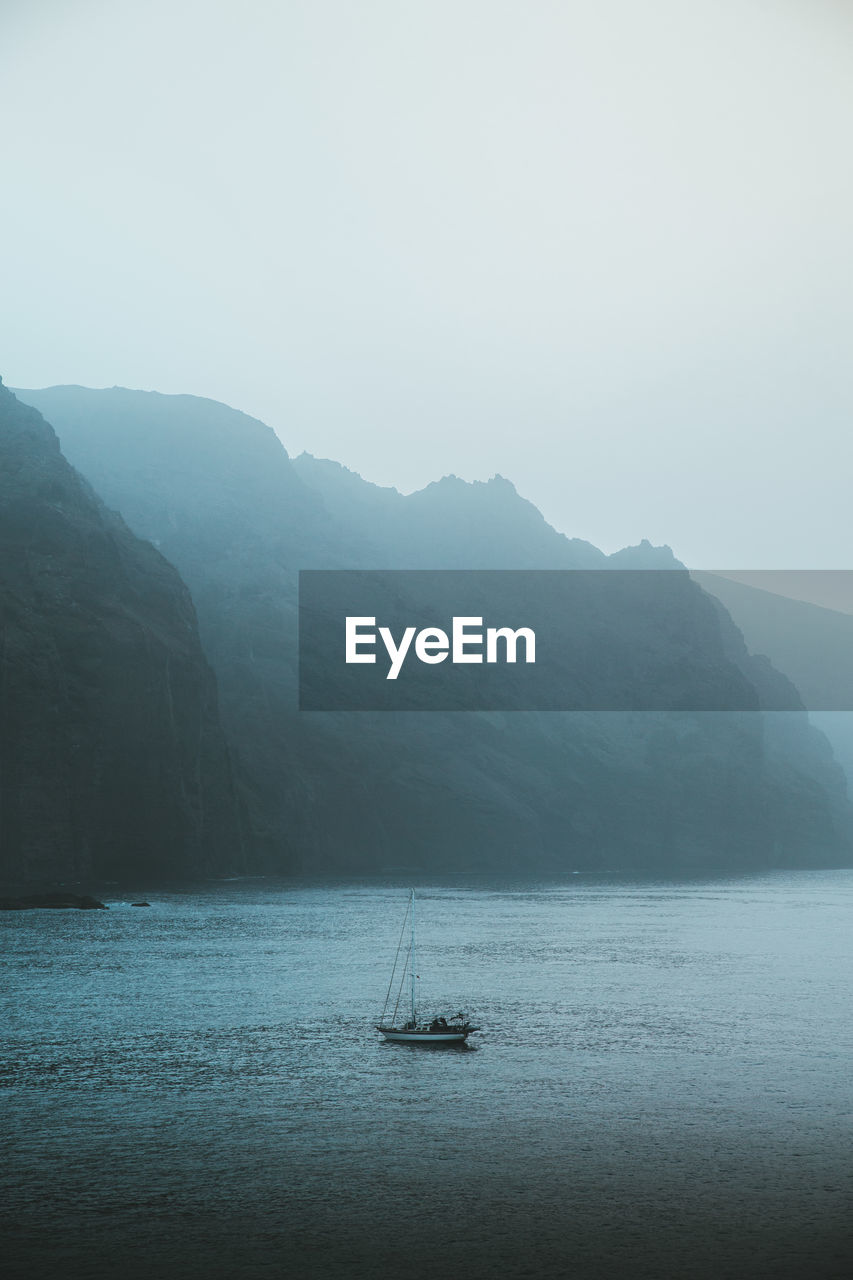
x=112, y=759
x=56, y=901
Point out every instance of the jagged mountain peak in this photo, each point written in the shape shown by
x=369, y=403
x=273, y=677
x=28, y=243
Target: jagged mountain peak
x=645, y=555
x=319, y=472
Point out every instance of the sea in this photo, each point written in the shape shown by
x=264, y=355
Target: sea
x=660, y=1087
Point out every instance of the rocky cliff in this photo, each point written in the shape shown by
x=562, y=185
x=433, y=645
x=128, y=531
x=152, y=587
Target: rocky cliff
x=525, y=792
x=112, y=758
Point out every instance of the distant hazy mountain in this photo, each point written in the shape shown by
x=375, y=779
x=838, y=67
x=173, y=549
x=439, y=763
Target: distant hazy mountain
x=217, y=493
x=811, y=644
x=112, y=759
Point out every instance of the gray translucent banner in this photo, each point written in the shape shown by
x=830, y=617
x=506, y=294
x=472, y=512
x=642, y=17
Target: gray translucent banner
x=574, y=640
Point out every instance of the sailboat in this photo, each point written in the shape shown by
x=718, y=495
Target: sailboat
x=439, y=1030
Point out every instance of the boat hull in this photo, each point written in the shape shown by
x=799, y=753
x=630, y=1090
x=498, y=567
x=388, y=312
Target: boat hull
x=423, y=1037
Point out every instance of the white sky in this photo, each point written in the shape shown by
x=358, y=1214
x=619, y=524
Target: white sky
x=603, y=248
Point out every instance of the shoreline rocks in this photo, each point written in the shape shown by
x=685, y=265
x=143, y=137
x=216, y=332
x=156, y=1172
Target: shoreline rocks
x=58, y=901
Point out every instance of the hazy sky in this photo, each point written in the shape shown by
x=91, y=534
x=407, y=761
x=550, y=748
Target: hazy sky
x=601, y=247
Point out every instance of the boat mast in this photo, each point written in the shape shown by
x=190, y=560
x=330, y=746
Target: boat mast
x=414, y=1019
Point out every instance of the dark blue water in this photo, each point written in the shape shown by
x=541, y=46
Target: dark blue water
x=661, y=1087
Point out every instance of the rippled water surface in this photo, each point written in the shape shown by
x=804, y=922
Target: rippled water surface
x=661, y=1086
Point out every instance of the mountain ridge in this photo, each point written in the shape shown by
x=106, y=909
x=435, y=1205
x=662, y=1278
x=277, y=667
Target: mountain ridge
x=521, y=792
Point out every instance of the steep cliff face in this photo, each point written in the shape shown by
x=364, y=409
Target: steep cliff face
x=112, y=759
x=364, y=791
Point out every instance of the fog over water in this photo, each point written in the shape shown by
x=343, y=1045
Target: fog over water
x=601, y=249
x=660, y=1087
